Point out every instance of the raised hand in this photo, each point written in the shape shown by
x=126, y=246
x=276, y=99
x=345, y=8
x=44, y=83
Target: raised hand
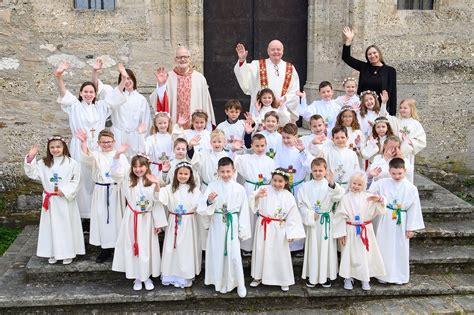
x=262, y=192
x=166, y=166
x=398, y=153
x=299, y=144
x=182, y=120
x=33, y=151
x=330, y=177
x=348, y=34
x=152, y=178
x=237, y=144
x=375, y=171
x=258, y=105
x=63, y=66
x=141, y=128
x=123, y=72
x=384, y=97
x=318, y=139
x=212, y=196
x=375, y=198
x=123, y=148
x=241, y=52
x=248, y=127
x=81, y=134
x=356, y=106
x=161, y=76
x=248, y=117
x=98, y=64
x=194, y=140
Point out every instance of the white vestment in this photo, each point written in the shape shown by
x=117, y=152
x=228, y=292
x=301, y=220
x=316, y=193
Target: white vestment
x=343, y=162
x=60, y=230
x=271, y=258
x=127, y=118
x=367, y=122
x=256, y=171
x=274, y=141
x=181, y=259
x=137, y=251
x=248, y=77
x=320, y=249
x=235, y=131
x=380, y=161
x=402, y=214
x=343, y=100
x=229, y=222
x=358, y=261
x=159, y=147
x=187, y=134
x=326, y=109
x=200, y=97
x=92, y=119
x=107, y=199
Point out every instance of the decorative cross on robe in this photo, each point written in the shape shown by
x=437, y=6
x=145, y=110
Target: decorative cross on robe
x=180, y=211
x=55, y=180
x=291, y=172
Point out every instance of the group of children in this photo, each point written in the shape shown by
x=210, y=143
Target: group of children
x=248, y=187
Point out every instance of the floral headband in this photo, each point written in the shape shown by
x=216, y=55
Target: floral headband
x=281, y=172
x=347, y=80
x=142, y=154
x=347, y=107
x=368, y=92
x=57, y=138
x=161, y=114
x=380, y=120
x=183, y=164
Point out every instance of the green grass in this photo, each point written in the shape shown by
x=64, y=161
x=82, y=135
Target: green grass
x=7, y=236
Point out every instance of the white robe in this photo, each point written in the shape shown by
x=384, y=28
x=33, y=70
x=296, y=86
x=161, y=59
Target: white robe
x=271, y=258
x=184, y=260
x=351, y=144
x=353, y=100
x=127, y=118
x=415, y=132
x=356, y=261
x=320, y=249
x=235, y=131
x=91, y=118
x=248, y=77
x=326, y=109
x=148, y=261
x=393, y=243
x=105, y=223
x=284, y=115
x=225, y=272
x=167, y=178
x=60, y=230
x=159, y=147
x=200, y=97
x=380, y=161
x=250, y=166
x=314, y=149
x=343, y=162
x=187, y=134
x=274, y=141
x=371, y=148
x=364, y=122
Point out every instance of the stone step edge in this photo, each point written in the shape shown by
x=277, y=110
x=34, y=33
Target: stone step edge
x=166, y=294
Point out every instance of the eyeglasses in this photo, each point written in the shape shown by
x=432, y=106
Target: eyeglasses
x=106, y=142
x=182, y=57
x=277, y=72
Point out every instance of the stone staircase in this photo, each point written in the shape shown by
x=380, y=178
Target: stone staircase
x=441, y=281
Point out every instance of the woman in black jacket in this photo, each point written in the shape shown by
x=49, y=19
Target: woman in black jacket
x=374, y=74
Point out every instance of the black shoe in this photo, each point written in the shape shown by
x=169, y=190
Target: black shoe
x=309, y=284
x=297, y=253
x=104, y=255
x=327, y=284
x=246, y=253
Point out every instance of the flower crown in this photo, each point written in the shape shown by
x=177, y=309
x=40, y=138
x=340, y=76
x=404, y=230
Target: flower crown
x=183, y=164
x=57, y=138
x=347, y=80
x=162, y=114
x=346, y=107
x=281, y=172
x=368, y=92
x=142, y=154
x=381, y=120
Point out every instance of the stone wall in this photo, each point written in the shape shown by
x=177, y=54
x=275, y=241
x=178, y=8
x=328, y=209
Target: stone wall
x=432, y=50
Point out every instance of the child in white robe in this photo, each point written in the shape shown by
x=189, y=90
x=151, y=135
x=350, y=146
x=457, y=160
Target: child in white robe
x=360, y=254
x=279, y=223
x=60, y=231
x=409, y=129
x=159, y=146
x=198, y=136
x=137, y=251
x=255, y=169
x=317, y=137
x=341, y=160
x=181, y=258
x=350, y=98
x=355, y=139
x=326, y=107
x=369, y=111
x=271, y=133
x=233, y=127
x=315, y=202
x=374, y=144
x=267, y=102
x=85, y=112
x=395, y=227
x=226, y=202
x=180, y=151
x=107, y=200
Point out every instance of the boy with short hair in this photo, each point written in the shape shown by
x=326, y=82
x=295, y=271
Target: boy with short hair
x=326, y=107
x=317, y=136
x=233, y=128
x=395, y=228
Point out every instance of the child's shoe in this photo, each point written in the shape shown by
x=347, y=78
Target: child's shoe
x=309, y=284
x=348, y=284
x=327, y=284
x=52, y=260
x=67, y=261
x=285, y=288
x=365, y=285
x=149, y=284
x=242, y=291
x=137, y=285
x=255, y=283
x=381, y=281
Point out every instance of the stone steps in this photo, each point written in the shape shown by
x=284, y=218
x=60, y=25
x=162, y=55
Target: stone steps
x=445, y=232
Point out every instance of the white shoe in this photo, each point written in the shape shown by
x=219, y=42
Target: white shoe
x=365, y=285
x=381, y=281
x=67, y=261
x=149, y=284
x=137, y=285
x=255, y=283
x=52, y=261
x=242, y=291
x=285, y=288
x=348, y=284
